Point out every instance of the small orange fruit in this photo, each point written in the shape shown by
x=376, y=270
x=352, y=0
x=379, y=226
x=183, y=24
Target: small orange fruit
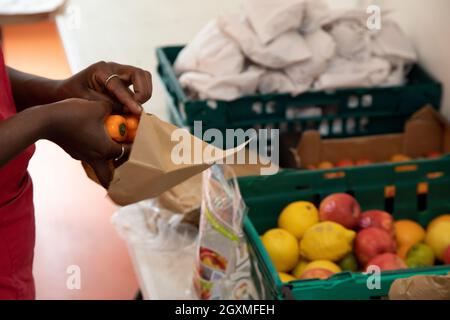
x=326, y=165
x=116, y=126
x=408, y=232
x=400, y=158
x=402, y=251
x=132, y=125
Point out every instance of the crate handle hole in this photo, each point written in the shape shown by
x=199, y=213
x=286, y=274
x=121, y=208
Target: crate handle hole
x=406, y=168
x=435, y=175
x=302, y=187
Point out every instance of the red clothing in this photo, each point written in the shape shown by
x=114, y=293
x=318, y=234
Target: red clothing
x=17, y=229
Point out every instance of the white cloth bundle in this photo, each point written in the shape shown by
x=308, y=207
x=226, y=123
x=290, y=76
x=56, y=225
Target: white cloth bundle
x=226, y=87
x=271, y=18
x=391, y=42
x=315, y=13
x=345, y=73
x=210, y=52
x=287, y=49
x=279, y=82
x=322, y=48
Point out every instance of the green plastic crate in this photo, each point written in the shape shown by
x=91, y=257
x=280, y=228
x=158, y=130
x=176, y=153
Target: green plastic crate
x=340, y=113
x=267, y=196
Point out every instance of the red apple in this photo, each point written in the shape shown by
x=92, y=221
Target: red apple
x=345, y=163
x=387, y=261
x=371, y=242
x=316, y=273
x=363, y=162
x=446, y=256
x=433, y=155
x=378, y=219
x=341, y=208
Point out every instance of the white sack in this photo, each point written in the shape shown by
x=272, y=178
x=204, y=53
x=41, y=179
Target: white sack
x=315, y=13
x=224, y=88
x=322, y=48
x=279, y=82
x=288, y=48
x=210, y=52
x=343, y=73
x=271, y=18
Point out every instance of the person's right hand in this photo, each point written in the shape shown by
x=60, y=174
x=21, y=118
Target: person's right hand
x=77, y=126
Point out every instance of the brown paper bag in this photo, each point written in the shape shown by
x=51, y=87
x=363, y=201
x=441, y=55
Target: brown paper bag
x=421, y=288
x=151, y=169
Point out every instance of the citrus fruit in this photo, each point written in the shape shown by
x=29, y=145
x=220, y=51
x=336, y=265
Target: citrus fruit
x=297, y=217
x=438, y=238
x=300, y=267
x=282, y=248
x=435, y=221
x=323, y=264
x=408, y=232
x=286, y=277
x=349, y=263
x=420, y=255
x=326, y=241
x=402, y=251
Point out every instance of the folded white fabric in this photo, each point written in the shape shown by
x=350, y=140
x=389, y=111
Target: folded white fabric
x=350, y=33
x=286, y=49
x=210, y=52
x=322, y=48
x=315, y=13
x=279, y=82
x=271, y=18
x=226, y=88
x=345, y=73
x=391, y=42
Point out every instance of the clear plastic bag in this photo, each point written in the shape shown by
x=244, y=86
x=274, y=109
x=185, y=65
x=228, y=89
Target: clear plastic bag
x=162, y=247
x=223, y=266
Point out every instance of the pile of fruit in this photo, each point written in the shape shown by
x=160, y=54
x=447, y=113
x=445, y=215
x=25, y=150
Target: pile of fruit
x=363, y=162
x=315, y=243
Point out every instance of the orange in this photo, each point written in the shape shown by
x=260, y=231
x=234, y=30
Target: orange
x=400, y=158
x=408, y=232
x=132, y=125
x=437, y=220
x=116, y=126
x=326, y=165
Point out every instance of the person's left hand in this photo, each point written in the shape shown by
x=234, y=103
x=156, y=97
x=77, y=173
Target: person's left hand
x=93, y=84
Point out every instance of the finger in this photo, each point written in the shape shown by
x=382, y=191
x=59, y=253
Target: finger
x=117, y=87
x=116, y=153
x=104, y=172
x=142, y=85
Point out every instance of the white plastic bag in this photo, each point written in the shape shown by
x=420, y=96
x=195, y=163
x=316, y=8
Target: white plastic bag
x=163, y=249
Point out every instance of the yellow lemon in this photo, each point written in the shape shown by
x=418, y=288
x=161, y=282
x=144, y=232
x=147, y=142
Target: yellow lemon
x=438, y=238
x=297, y=217
x=326, y=241
x=300, y=268
x=323, y=264
x=286, y=277
x=282, y=248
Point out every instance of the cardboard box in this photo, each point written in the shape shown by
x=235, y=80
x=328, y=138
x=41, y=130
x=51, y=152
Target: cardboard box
x=427, y=131
x=150, y=170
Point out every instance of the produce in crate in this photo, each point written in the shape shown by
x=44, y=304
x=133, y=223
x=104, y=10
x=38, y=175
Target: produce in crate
x=371, y=242
x=282, y=248
x=318, y=273
x=386, y=261
x=297, y=217
x=327, y=247
x=438, y=238
x=326, y=241
x=420, y=255
x=377, y=219
x=341, y=208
